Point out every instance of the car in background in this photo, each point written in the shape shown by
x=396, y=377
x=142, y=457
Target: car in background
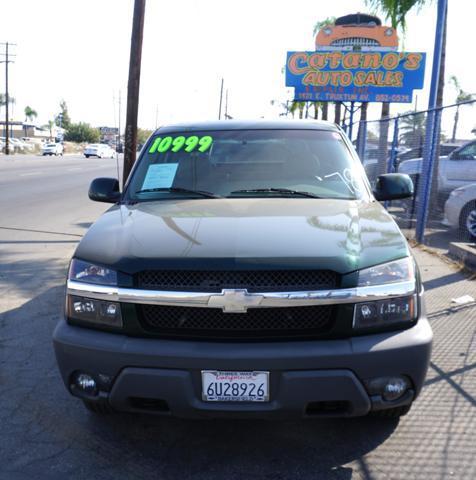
x=100, y=150
x=52, y=149
x=454, y=170
x=460, y=211
x=417, y=153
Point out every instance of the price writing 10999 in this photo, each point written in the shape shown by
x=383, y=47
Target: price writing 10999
x=176, y=144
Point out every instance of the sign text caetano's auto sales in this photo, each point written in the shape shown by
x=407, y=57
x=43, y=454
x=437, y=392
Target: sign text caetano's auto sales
x=355, y=76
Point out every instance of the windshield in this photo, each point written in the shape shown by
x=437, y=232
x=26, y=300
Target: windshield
x=246, y=163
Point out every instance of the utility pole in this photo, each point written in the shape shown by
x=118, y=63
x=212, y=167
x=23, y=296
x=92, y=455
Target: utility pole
x=226, y=104
x=118, y=142
x=7, y=99
x=130, y=143
x=221, y=98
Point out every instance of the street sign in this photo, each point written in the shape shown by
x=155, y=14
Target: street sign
x=355, y=76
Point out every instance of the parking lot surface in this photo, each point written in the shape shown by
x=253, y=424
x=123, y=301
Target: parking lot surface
x=46, y=433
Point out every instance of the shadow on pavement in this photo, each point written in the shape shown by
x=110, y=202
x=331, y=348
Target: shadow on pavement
x=46, y=433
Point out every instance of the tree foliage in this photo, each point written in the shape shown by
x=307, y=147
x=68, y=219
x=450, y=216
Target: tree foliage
x=395, y=10
x=412, y=130
x=323, y=23
x=3, y=100
x=82, y=132
x=143, y=135
x=66, y=120
x=30, y=114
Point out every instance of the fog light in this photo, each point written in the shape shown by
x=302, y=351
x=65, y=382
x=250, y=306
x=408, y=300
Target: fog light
x=394, y=389
x=390, y=388
x=85, y=383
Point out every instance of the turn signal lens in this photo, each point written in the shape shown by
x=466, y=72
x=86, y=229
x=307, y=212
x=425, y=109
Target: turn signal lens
x=98, y=312
x=385, y=312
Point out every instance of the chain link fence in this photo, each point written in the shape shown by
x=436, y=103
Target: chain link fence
x=438, y=150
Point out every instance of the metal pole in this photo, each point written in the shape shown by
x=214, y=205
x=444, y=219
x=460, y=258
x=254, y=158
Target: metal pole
x=7, y=100
x=428, y=154
x=130, y=143
x=351, y=119
x=221, y=98
x=393, y=152
x=226, y=104
x=118, y=146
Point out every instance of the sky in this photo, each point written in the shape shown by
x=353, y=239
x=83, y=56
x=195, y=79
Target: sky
x=79, y=51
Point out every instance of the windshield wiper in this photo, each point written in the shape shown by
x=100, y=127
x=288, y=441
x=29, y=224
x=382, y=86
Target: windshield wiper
x=202, y=193
x=286, y=191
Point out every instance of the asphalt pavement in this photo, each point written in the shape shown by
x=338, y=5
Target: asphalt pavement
x=47, y=434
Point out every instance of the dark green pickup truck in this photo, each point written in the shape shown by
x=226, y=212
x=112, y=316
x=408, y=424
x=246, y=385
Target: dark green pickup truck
x=246, y=270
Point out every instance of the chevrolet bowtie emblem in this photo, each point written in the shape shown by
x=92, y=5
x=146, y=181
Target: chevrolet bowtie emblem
x=234, y=301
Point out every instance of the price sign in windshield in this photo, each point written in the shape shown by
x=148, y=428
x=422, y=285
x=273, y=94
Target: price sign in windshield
x=181, y=143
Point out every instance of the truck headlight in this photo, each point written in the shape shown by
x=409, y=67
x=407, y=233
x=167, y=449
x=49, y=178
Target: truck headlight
x=391, y=311
x=402, y=270
x=86, y=272
x=90, y=310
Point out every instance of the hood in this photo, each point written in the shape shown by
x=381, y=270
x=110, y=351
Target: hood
x=270, y=233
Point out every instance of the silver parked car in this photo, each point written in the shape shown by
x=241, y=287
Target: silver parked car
x=454, y=170
x=460, y=211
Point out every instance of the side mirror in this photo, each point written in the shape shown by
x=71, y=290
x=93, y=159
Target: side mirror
x=393, y=186
x=104, y=190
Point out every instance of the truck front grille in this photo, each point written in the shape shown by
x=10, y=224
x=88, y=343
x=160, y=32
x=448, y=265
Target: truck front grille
x=355, y=41
x=255, y=324
x=253, y=281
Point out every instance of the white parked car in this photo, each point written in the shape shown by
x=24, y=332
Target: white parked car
x=460, y=211
x=100, y=150
x=52, y=149
x=454, y=170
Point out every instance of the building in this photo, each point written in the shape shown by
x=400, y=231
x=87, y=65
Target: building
x=34, y=132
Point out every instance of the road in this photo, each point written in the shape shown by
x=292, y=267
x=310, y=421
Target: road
x=47, y=434
x=44, y=212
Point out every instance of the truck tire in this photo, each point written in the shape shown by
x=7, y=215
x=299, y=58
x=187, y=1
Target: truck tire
x=101, y=408
x=395, y=412
x=467, y=222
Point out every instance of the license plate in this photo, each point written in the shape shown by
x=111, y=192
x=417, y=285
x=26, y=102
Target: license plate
x=235, y=386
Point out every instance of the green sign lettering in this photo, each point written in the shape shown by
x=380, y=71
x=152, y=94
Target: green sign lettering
x=176, y=144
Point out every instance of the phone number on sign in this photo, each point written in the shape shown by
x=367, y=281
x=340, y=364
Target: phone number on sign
x=382, y=97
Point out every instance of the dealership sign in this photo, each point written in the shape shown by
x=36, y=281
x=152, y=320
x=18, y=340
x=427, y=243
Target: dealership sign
x=348, y=76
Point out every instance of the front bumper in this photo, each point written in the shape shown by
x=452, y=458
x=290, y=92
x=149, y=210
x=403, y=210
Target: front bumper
x=307, y=378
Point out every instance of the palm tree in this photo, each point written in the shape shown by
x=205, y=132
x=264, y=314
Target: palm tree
x=3, y=100
x=412, y=130
x=30, y=114
x=297, y=106
x=325, y=105
x=461, y=97
x=51, y=124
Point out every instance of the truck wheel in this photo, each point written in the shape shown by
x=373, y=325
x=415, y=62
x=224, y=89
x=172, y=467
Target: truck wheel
x=395, y=412
x=101, y=408
x=467, y=222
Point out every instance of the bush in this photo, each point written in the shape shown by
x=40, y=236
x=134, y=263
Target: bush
x=82, y=132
